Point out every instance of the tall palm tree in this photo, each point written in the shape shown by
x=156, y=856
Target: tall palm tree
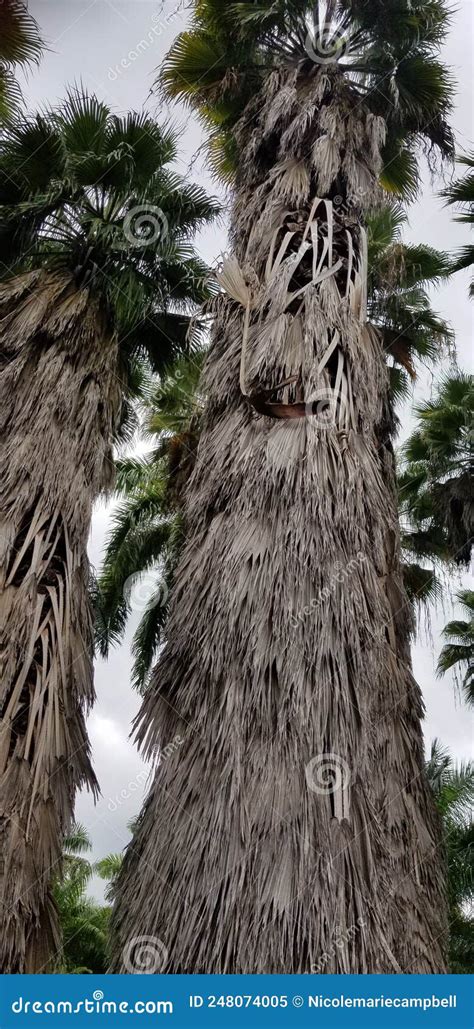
x=453, y=787
x=97, y=229
x=20, y=44
x=148, y=532
x=461, y=193
x=435, y=483
x=458, y=652
x=298, y=802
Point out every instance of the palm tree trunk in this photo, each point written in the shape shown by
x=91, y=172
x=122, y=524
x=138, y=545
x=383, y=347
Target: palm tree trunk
x=59, y=399
x=293, y=830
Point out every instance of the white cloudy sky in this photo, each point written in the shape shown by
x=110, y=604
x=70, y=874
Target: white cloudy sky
x=95, y=41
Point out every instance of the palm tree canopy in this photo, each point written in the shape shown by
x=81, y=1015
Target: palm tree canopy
x=435, y=484
x=461, y=194
x=20, y=43
x=91, y=194
x=387, y=52
x=458, y=652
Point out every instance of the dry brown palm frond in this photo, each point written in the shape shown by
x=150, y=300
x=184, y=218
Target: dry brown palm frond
x=59, y=396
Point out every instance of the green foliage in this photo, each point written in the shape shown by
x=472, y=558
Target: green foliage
x=435, y=484
x=453, y=787
x=398, y=301
x=84, y=924
x=458, y=652
x=147, y=532
x=20, y=44
x=461, y=193
x=391, y=59
x=91, y=194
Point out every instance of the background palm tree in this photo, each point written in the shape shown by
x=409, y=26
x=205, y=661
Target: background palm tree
x=461, y=193
x=83, y=924
x=458, y=652
x=435, y=482
x=147, y=532
x=20, y=44
x=299, y=799
x=453, y=787
x=102, y=272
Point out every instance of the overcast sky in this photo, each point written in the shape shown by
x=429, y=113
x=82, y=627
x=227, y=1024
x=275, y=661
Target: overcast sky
x=114, y=48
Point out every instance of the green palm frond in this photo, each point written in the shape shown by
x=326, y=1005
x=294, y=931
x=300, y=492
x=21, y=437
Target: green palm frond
x=20, y=43
x=77, y=841
x=92, y=195
x=221, y=61
x=461, y=193
x=435, y=485
x=458, y=652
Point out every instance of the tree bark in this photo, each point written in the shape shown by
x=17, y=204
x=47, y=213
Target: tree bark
x=293, y=829
x=59, y=398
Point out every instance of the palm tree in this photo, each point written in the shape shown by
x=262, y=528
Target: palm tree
x=20, y=43
x=453, y=787
x=83, y=924
x=435, y=484
x=97, y=228
x=458, y=652
x=298, y=800
x=462, y=192
x=148, y=531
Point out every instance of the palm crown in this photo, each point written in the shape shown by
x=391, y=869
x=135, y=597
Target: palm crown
x=92, y=194
x=387, y=53
x=20, y=43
